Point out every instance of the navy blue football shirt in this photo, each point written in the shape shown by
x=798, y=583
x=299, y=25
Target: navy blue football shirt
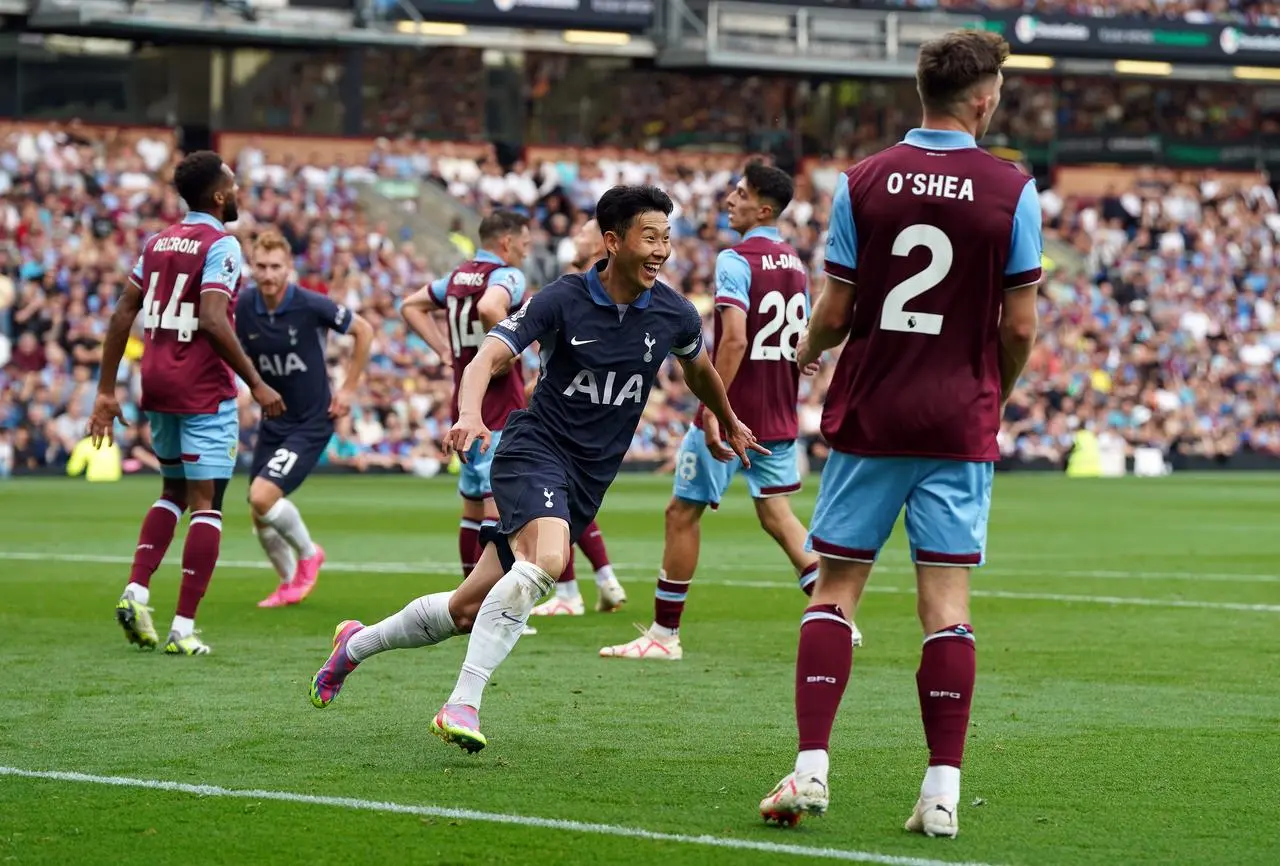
x=288, y=348
x=599, y=360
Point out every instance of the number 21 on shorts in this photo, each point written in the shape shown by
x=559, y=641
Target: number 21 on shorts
x=282, y=462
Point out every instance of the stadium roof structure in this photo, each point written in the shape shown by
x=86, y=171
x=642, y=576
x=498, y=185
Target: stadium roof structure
x=279, y=23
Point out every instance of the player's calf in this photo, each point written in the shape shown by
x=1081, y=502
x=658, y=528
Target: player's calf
x=154, y=538
x=542, y=549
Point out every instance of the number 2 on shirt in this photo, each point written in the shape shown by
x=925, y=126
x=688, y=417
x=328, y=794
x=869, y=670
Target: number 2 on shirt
x=178, y=315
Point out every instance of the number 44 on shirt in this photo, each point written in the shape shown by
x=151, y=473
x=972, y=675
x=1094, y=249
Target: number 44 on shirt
x=178, y=316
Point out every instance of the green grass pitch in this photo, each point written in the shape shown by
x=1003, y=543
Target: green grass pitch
x=1127, y=708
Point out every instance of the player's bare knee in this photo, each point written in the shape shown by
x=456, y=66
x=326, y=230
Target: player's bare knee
x=682, y=514
x=942, y=596
x=551, y=559
x=463, y=612
x=263, y=495
x=175, y=490
x=545, y=543
x=473, y=509
x=772, y=519
x=840, y=582
x=200, y=494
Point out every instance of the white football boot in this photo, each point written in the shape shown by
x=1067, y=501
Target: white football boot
x=558, y=606
x=934, y=817
x=794, y=797
x=649, y=645
x=611, y=596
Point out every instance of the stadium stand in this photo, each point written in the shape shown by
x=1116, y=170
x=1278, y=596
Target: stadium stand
x=1161, y=326
x=1256, y=12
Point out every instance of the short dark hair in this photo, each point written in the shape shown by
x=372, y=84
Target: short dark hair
x=620, y=205
x=197, y=176
x=956, y=61
x=770, y=183
x=499, y=223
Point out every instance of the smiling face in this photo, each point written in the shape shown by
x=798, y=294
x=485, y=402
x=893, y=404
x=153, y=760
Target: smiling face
x=642, y=250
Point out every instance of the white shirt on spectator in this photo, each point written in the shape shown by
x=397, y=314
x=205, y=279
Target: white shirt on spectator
x=1256, y=354
x=154, y=152
x=1195, y=323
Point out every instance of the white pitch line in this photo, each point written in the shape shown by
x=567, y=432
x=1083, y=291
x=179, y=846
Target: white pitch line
x=487, y=817
x=431, y=567
x=449, y=567
x=1043, y=596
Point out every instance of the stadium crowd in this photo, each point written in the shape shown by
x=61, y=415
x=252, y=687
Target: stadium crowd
x=441, y=97
x=1260, y=13
x=1167, y=337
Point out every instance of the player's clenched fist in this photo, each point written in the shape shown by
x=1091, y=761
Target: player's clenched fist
x=269, y=399
x=468, y=430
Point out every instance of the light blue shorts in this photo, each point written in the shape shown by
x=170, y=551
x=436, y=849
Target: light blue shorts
x=703, y=479
x=859, y=500
x=197, y=447
x=473, y=476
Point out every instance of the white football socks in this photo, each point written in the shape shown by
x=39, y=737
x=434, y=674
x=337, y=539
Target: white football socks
x=279, y=551
x=284, y=518
x=941, y=783
x=813, y=762
x=604, y=575
x=568, y=590
x=424, y=621
x=139, y=593
x=183, y=627
x=498, y=626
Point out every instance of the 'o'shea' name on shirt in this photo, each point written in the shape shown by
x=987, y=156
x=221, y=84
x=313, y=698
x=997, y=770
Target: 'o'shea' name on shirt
x=190, y=246
x=777, y=263
x=932, y=185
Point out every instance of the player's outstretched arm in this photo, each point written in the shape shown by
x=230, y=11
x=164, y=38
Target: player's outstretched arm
x=706, y=385
x=829, y=323
x=216, y=327
x=494, y=355
x=106, y=409
x=362, y=333
x=418, y=312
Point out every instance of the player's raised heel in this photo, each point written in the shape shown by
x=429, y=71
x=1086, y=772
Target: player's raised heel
x=934, y=817
x=135, y=619
x=793, y=798
x=329, y=680
x=611, y=596
x=460, y=725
